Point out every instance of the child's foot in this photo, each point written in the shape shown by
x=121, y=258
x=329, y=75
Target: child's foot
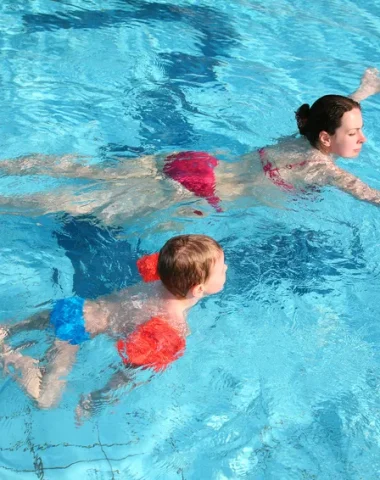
x=3, y=336
x=31, y=375
x=4, y=348
x=22, y=368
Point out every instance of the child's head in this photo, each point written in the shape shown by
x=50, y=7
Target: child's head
x=322, y=120
x=192, y=264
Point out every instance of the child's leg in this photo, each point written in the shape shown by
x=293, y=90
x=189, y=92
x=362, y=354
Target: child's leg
x=38, y=321
x=61, y=357
x=24, y=368
x=43, y=385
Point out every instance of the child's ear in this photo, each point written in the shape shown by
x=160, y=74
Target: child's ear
x=198, y=291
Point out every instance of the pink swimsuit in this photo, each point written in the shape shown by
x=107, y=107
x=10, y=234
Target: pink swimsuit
x=274, y=173
x=195, y=171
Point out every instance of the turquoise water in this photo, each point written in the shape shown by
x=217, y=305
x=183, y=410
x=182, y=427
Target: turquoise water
x=281, y=375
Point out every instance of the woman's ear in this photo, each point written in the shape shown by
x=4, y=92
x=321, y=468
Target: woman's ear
x=324, y=139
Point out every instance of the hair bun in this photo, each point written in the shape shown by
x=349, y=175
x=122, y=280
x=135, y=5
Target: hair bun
x=302, y=116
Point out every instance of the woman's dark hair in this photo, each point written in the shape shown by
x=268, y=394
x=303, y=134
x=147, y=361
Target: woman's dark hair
x=324, y=115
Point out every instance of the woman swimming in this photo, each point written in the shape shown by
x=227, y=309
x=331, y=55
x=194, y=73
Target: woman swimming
x=330, y=128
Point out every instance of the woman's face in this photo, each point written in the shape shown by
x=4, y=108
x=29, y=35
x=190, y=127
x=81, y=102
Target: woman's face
x=348, y=139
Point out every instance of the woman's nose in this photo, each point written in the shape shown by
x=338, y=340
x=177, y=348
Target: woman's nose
x=362, y=138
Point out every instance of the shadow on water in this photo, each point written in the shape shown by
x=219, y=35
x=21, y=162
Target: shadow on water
x=102, y=261
x=162, y=121
x=303, y=260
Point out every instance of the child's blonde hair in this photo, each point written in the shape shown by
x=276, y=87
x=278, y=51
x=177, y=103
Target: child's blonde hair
x=185, y=261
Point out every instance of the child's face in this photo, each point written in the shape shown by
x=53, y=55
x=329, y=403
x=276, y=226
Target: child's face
x=217, y=277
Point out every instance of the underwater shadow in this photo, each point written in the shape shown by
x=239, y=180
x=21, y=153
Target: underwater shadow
x=103, y=262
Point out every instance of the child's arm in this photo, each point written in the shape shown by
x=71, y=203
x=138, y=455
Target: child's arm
x=369, y=85
x=91, y=402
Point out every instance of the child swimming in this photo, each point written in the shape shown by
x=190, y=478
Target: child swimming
x=330, y=128
x=146, y=321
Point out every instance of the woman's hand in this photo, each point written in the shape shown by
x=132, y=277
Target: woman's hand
x=369, y=85
x=371, y=81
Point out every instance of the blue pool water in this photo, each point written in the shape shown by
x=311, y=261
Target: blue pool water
x=281, y=375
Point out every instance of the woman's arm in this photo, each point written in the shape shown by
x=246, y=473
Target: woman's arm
x=369, y=85
x=353, y=185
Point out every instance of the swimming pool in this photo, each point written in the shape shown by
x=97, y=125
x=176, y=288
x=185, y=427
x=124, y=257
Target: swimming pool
x=281, y=375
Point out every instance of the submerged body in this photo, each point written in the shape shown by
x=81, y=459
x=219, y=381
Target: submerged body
x=147, y=322
x=331, y=128
x=114, y=196
x=76, y=320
